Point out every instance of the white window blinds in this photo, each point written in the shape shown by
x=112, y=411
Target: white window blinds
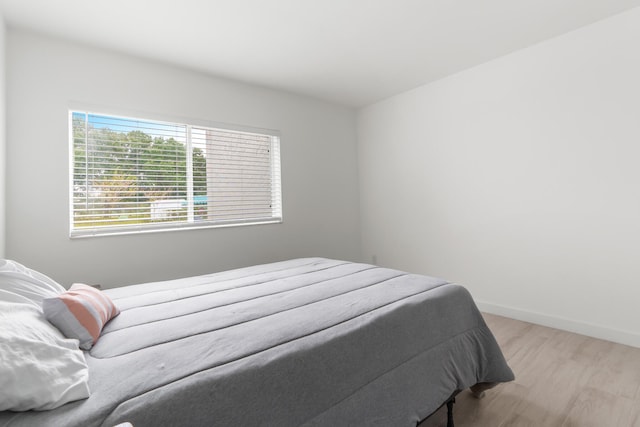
x=132, y=175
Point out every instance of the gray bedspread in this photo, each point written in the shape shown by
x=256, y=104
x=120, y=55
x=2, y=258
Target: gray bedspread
x=312, y=342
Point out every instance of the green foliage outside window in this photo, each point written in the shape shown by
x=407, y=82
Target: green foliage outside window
x=126, y=172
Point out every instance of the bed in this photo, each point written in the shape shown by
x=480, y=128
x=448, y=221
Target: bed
x=304, y=342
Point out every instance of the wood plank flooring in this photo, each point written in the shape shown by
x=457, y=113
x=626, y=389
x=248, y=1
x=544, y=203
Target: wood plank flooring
x=562, y=380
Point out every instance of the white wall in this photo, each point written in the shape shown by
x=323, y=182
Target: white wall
x=2, y=137
x=318, y=149
x=520, y=179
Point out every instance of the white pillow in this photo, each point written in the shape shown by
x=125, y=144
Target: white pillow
x=40, y=368
x=21, y=284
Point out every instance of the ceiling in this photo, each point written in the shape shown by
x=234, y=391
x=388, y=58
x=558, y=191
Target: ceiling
x=351, y=52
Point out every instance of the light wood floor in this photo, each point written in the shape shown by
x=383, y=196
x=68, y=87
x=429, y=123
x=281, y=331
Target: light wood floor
x=562, y=379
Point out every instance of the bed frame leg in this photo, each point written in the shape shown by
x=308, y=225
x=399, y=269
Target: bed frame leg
x=450, y=411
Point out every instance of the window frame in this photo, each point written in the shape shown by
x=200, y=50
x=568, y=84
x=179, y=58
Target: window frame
x=275, y=173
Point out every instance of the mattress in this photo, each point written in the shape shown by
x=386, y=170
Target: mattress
x=304, y=342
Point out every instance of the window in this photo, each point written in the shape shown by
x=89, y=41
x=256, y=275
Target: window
x=136, y=175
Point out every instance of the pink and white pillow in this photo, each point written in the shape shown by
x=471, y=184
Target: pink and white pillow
x=81, y=313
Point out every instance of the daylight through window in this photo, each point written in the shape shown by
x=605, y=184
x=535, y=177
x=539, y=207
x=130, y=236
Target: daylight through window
x=135, y=175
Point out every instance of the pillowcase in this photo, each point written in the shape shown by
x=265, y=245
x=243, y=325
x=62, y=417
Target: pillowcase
x=20, y=284
x=80, y=313
x=40, y=368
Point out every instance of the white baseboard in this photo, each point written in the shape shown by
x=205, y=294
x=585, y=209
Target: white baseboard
x=619, y=336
